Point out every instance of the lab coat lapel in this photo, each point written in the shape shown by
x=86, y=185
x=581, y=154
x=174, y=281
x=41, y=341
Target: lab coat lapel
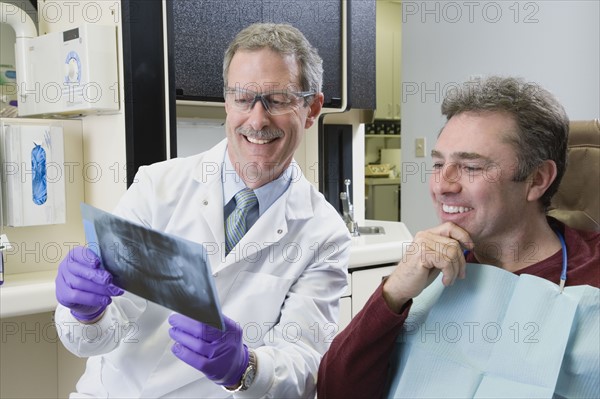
x=210, y=200
x=272, y=227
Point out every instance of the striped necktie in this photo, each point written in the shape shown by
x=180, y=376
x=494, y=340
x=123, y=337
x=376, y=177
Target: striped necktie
x=235, y=225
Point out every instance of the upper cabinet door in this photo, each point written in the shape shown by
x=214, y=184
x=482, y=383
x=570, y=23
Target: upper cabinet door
x=201, y=31
x=361, y=55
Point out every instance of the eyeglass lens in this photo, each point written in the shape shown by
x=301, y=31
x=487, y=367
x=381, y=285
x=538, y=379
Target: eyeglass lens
x=275, y=103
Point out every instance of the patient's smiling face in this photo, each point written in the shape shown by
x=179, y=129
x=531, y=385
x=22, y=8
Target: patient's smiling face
x=472, y=182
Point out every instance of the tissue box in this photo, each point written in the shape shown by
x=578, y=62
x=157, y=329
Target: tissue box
x=33, y=178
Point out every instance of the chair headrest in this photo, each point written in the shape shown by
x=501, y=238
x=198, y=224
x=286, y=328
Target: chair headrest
x=577, y=202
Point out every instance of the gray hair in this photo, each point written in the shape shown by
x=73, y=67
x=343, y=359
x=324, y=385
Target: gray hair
x=283, y=39
x=542, y=123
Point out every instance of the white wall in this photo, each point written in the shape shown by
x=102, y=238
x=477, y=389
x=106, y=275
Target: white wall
x=34, y=352
x=553, y=43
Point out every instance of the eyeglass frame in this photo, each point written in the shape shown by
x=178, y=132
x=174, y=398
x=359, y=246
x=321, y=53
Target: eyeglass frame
x=299, y=94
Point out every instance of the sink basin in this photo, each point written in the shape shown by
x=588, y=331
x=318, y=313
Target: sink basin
x=371, y=230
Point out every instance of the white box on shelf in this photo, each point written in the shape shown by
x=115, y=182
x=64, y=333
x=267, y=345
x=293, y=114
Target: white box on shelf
x=32, y=174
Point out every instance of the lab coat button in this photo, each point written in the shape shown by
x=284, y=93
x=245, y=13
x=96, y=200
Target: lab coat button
x=279, y=231
x=205, y=202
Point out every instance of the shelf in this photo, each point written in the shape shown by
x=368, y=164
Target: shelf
x=375, y=181
x=385, y=136
x=27, y=293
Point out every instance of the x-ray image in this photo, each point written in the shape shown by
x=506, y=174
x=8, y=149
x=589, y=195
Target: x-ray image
x=161, y=268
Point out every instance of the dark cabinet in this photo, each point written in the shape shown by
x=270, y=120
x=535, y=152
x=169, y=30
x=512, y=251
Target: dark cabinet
x=202, y=29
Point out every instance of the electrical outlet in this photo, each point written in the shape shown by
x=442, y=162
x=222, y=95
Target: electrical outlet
x=420, y=147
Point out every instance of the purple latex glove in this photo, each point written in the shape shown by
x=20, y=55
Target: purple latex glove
x=220, y=355
x=82, y=286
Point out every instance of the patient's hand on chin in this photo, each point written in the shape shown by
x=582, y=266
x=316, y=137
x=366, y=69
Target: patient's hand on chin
x=432, y=251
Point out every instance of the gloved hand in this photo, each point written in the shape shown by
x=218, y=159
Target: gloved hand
x=82, y=286
x=220, y=355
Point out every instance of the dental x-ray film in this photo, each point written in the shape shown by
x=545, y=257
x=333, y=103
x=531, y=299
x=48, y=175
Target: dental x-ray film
x=162, y=268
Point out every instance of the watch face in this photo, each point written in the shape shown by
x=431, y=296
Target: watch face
x=249, y=377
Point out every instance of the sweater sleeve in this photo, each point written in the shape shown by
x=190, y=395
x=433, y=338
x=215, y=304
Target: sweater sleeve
x=356, y=365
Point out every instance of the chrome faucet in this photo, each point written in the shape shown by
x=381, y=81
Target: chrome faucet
x=348, y=210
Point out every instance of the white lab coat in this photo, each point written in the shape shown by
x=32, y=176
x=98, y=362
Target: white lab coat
x=282, y=283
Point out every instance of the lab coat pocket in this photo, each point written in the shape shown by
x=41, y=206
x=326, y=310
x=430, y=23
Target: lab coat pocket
x=255, y=301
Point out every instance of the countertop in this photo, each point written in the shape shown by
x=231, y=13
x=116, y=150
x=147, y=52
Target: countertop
x=30, y=293
x=377, y=249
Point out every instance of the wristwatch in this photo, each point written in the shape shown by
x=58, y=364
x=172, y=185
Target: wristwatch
x=249, y=374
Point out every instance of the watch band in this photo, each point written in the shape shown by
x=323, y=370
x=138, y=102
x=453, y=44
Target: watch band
x=249, y=374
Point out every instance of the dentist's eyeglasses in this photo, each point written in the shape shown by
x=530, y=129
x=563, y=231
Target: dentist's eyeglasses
x=275, y=102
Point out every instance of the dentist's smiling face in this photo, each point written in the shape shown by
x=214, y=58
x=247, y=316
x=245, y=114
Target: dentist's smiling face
x=260, y=145
x=472, y=184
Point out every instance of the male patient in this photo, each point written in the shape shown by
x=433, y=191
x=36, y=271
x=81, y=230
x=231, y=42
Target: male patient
x=496, y=165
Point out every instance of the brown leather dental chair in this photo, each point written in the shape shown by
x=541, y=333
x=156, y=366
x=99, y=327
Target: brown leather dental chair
x=577, y=202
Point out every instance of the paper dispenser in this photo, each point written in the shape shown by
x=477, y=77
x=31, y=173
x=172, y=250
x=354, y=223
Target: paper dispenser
x=74, y=72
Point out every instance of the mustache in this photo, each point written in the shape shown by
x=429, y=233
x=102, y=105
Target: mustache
x=265, y=134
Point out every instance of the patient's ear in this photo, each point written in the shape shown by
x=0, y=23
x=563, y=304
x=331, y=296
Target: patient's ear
x=541, y=178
